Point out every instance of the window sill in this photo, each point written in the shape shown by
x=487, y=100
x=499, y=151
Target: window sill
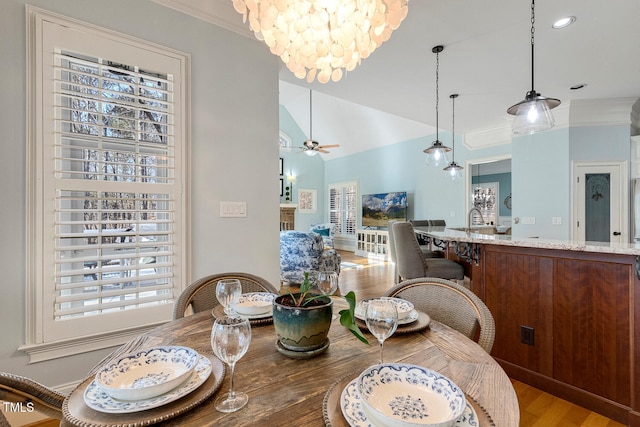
x=54, y=350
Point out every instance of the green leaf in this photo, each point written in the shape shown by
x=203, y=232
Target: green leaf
x=305, y=286
x=348, y=318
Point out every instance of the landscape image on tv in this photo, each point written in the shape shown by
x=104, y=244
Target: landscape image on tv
x=378, y=209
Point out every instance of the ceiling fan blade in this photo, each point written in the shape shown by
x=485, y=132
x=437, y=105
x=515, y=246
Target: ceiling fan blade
x=329, y=146
x=322, y=151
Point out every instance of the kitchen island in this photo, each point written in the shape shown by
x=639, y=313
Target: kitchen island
x=565, y=312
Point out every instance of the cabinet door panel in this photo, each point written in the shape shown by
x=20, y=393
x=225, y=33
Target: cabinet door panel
x=592, y=328
x=518, y=291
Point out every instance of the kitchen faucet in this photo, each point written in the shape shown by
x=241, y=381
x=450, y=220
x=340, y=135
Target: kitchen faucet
x=479, y=213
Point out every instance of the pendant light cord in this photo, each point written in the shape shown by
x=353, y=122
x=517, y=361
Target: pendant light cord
x=453, y=129
x=437, y=91
x=533, y=32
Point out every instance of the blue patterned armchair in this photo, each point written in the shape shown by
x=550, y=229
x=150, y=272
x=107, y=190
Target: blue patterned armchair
x=302, y=252
x=328, y=232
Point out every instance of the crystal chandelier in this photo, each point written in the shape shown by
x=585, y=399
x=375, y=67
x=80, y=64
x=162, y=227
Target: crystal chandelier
x=318, y=38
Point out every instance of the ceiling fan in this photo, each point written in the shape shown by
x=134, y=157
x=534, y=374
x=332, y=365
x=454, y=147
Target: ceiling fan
x=311, y=147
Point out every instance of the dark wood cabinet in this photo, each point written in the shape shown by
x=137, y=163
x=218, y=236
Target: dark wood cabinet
x=581, y=309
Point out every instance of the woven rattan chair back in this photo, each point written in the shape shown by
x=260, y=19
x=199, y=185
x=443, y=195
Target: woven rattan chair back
x=201, y=294
x=449, y=303
x=22, y=390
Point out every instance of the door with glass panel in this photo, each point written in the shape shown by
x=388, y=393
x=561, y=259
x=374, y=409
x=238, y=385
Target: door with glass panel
x=599, y=202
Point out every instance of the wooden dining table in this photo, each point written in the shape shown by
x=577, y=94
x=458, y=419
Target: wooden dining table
x=284, y=391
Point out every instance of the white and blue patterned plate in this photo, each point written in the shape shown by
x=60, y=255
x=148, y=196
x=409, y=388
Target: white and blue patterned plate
x=96, y=398
x=147, y=373
x=356, y=417
x=255, y=303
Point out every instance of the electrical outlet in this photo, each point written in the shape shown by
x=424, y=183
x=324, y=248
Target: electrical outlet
x=556, y=220
x=452, y=214
x=527, y=335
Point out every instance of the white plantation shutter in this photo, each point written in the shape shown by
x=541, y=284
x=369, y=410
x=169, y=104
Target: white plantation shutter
x=343, y=207
x=110, y=174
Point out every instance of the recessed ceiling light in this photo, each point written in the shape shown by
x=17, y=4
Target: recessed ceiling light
x=578, y=86
x=564, y=22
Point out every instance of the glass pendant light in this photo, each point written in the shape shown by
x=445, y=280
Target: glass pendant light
x=436, y=154
x=533, y=114
x=454, y=169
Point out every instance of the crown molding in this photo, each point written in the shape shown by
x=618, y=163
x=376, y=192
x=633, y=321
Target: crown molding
x=602, y=112
x=488, y=137
x=576, y=113
x=217, y=12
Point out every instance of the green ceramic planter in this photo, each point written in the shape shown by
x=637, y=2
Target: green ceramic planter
x=300, y=328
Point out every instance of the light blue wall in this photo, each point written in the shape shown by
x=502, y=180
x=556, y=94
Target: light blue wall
x=309, y=172
x=401, y=167
x=599, y=143
x=541, y=175
x=541, y=184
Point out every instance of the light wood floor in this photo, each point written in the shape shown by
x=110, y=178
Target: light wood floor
x=370, y=277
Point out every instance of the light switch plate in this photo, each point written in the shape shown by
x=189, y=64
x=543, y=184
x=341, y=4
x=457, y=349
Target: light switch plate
x=529, y=220
x=556, y=220
x=233, y=209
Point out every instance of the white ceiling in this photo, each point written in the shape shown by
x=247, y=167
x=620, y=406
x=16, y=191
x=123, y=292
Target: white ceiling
x=390, y=97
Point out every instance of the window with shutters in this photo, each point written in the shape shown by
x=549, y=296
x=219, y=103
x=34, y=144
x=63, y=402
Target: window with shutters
x=343, y=208
x=107, y=173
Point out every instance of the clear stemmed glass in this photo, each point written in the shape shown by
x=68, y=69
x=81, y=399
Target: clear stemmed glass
x=327, y=282
x=228, y=292
x=230, y=338
x=382, y=320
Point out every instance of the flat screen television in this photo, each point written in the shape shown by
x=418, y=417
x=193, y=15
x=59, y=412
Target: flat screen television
x=378, y=209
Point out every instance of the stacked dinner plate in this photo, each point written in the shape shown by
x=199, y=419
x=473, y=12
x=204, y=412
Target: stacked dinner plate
x=404, y=395
x=406, y=312
x=147, y=379
x=255, y=305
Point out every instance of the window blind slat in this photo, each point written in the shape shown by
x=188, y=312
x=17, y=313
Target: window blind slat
x=96, y=308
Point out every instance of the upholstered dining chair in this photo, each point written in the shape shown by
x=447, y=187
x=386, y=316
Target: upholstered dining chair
x=425, y=247
x=392, y=251
x=201, y=294
x=412, y=263
x=449, y=303
x=18, y=389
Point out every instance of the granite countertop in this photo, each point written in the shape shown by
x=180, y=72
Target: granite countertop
x=449, y=234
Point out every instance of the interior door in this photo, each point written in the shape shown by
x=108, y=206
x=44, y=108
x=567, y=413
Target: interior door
x=599, y=202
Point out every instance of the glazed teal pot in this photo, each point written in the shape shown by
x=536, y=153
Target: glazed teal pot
x=302, y=329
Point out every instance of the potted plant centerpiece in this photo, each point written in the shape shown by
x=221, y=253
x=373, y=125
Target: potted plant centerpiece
x=302, y=320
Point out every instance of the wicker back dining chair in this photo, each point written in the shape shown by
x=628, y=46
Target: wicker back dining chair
x=452, y=304
x=22, y=390
x=201, y=294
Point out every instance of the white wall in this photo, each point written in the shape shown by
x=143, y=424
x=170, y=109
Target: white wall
x=234, y=130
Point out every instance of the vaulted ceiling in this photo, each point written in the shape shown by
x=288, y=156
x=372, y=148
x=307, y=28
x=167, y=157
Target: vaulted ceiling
x=390, y=97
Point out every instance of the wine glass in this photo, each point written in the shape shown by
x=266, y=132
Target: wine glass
x=382, y=320
x=230, y=338
x=328, y=282
x=228, y=292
